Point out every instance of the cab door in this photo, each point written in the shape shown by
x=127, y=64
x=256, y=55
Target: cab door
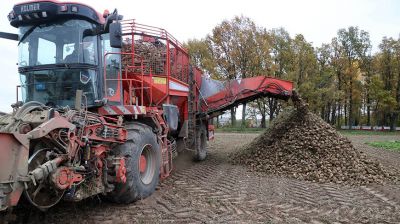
x=111, y=61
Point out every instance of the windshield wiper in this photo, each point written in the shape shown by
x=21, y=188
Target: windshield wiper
x=26, y=34
x=62, y=65
x=57, y=66
x=75, y=65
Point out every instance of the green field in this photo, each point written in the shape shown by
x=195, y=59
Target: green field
x=361, y=132
x=391, y=145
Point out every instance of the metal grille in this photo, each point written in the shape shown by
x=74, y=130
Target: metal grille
x=160, y=52
x=153, y=55
x=179, y=65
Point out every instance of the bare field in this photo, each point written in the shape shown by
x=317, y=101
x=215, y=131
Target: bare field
x=214, y=191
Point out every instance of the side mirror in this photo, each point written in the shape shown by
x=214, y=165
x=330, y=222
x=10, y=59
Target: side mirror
x=116, y=35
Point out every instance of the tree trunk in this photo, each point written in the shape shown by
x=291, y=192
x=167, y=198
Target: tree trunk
x=351, y=105
x=339, y=117
x=369, y=73
x=388, y=119
x=262, y=109
x=271, y=117
x=217, y=121
x=333, y=115
x=367, y=64
x=393, y=121
x=368, y=110
x=272, y=103
x=328, y=113
x=396, y=114
x=233, y=116
x=377, y=122
x=244, y=115
x=271, y=109
x=263, y=122
x=345, y=113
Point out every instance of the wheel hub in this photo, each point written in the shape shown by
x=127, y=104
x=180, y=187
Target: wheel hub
x=143, y=164
x=147, y=164
x=43, y=195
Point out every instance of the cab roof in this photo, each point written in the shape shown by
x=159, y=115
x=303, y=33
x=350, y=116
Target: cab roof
x=42, y=11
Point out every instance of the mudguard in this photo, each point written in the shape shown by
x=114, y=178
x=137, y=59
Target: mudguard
x=14, y=153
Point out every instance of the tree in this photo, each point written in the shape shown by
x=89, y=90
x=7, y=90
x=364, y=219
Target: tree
x=304, y=59
x=202, y=56
x=239, y=49
x=304, y=70
x=382, y=99
x=326, y=88
x=338, y=65
x=353, y=41
x=282, y=63
x=387, y=67
x=365, y=58
x=282, y=53
x=396, y=47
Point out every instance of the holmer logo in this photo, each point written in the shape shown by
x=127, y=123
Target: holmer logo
x=30, y=8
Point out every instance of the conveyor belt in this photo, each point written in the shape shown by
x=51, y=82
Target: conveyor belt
x=245, y=90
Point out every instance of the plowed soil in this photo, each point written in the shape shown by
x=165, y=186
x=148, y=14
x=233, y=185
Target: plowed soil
x=214, y=191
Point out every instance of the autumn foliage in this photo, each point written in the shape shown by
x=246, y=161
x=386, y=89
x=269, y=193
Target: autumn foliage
x=343, y=81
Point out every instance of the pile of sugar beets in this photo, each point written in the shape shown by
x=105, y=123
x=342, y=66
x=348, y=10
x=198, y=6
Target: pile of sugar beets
x=301, y=145
x=153, y=55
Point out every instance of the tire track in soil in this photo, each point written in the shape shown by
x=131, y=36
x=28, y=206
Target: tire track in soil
x=214, y=191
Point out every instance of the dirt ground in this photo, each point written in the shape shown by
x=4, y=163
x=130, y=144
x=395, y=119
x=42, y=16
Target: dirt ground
x=215, y=191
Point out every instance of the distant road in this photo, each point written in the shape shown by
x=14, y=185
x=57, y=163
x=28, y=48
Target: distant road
x=369, y=128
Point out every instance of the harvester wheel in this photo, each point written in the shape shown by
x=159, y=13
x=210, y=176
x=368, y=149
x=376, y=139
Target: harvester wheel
x=142, y=160
x=201, y=148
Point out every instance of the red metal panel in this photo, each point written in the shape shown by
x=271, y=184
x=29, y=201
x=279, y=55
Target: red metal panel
x=13, y=165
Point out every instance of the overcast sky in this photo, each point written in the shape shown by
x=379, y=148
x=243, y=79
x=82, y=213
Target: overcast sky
x=317, y=20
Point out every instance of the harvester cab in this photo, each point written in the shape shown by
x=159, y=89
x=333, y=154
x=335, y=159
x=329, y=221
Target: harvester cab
x=60, y=51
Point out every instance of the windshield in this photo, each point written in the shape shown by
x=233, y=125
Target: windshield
x=68, y=41
x=57, y=87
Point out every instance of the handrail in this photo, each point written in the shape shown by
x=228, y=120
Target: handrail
x=130, y=80
x=130, y=26
x=140, y=81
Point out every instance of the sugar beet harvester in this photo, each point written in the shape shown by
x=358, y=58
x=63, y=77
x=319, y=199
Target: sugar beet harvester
x=106, y=105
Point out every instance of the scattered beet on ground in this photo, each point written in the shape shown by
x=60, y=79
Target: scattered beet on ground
x=300, y=144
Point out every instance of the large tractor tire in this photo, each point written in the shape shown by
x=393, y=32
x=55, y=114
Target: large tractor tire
x=142, y=160
x=201, y=148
